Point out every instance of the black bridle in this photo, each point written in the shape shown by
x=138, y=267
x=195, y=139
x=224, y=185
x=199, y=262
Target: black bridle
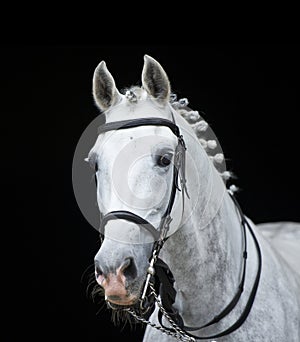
x=159, y=272
x=160, y=233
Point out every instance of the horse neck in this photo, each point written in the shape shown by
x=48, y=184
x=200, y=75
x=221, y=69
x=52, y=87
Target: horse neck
x=205, y=254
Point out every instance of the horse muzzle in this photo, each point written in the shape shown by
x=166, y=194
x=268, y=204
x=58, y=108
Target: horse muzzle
x=114, y=285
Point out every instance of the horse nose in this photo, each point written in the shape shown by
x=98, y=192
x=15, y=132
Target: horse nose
x=127, y=267
x=114, y=280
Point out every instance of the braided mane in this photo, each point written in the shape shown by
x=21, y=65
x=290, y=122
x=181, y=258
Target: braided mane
x=201, y=128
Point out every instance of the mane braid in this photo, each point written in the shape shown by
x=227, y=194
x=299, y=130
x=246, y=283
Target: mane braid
x=200, y=127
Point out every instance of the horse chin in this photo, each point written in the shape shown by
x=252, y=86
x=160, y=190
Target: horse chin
x=119, y=313
x=122, y=303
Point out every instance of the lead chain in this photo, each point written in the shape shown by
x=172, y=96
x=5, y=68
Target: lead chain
x=179, y=334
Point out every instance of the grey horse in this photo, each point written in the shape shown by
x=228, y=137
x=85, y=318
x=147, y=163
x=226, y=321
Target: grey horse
x=205, y=243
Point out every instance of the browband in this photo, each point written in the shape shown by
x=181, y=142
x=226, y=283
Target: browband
x=123, y=124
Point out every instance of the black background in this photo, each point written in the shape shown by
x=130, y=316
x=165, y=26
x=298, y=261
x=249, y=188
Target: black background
x=250, y=94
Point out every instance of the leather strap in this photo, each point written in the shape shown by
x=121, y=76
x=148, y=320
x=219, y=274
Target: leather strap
x=131, y=217
x=152, y=121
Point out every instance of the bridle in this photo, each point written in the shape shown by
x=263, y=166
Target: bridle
x=178, y=172
x=159, y=277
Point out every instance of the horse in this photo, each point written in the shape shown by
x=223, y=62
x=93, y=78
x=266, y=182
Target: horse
x=177, y=252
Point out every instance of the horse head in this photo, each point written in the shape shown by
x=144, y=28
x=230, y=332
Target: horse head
x=135, y=174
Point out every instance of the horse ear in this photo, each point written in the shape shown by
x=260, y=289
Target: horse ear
x=155, y=80
x=105, y=92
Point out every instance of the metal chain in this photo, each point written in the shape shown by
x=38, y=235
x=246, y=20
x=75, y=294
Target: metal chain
x=179, y=334
x=173, y=324
x=161, y=329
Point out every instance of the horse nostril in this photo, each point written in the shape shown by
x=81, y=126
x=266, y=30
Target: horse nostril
x=98, y=271
x=129, y=269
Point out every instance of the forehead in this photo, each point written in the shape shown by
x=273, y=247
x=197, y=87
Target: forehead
x=139, y=139
x=126, y=110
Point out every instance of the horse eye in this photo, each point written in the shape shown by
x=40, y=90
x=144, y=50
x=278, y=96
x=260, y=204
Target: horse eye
x=164, y=160
x=96, y=167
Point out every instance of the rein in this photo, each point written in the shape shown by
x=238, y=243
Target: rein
x=159, y=277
